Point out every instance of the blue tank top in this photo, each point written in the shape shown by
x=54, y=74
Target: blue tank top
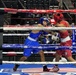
x=36, y=35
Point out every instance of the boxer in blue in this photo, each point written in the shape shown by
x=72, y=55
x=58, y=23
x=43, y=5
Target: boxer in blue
x=32, y=41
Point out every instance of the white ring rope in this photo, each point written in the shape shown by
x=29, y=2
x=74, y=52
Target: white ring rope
x=18, y=62
x=39, y=28
x=12, y=52
x=15, y=34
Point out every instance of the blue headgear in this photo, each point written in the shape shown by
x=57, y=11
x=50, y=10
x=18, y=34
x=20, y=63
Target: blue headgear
x=43, y=19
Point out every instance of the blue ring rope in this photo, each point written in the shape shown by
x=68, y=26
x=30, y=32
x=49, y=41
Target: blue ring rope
x=55, y=47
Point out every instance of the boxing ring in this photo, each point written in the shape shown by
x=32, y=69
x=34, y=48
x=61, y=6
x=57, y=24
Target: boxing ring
x=35, y=68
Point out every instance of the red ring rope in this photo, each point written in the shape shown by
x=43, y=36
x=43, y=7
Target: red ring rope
x=36, y=11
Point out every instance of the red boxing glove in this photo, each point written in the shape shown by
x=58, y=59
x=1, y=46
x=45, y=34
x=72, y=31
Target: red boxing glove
x=52, y=22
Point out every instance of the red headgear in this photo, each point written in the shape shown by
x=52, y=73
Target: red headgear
x=58, y=17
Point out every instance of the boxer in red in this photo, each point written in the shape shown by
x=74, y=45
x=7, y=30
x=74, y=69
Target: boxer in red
x=65, y=39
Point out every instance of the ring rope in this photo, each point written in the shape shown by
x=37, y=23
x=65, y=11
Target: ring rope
x=15, y=34
x=36, y=11
x=12, y=52
x=19, y=34
x=18, y=62
x=39, y=28
x=37, y=47
x=52, y=52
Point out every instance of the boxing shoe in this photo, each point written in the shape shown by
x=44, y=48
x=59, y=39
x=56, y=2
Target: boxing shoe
x=45, y=69
x=55, y=68
x=15, y=67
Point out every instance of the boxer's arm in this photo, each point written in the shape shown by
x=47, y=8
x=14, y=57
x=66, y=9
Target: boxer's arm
x=62, y=25
x=36, y=31
x=70, y=31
